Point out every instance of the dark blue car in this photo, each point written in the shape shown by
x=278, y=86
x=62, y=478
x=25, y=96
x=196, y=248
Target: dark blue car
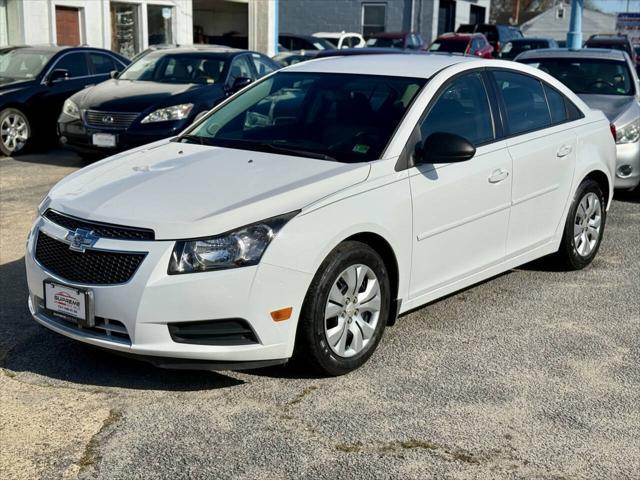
x=156, y=97
x=34, y=83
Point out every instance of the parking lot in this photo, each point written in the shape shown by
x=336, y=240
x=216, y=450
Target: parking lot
x=533, y=374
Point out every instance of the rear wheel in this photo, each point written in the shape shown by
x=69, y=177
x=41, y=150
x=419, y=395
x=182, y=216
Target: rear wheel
x=15, y=131
x=345, y=311
x=584, y=226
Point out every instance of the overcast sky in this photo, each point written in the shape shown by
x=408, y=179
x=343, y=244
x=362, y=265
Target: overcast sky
x=618, y=5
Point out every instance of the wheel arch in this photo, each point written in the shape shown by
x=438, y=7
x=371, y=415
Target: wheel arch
x=386, y=252
x=601, y=179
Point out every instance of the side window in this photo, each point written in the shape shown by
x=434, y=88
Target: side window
x=240, y=68
x=102, y=64
x=475, y=45
x=262, y=66
x=557, y=106
x=462, y=109
x=75, y=63
x=524, y=101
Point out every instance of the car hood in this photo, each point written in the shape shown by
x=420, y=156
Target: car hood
x=613, y=106
x=135, y=96
x=187, y=191
x=9, y=84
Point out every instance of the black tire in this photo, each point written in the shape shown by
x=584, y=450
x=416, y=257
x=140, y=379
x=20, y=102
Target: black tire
x=568, y=253
x=312, y=349
x=5, y=147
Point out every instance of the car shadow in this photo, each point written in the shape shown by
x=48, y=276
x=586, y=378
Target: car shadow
x=26, y=346
x=51, y=156
x=628, y=197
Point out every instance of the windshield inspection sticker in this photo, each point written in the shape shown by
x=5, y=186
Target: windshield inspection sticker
x=359, y=148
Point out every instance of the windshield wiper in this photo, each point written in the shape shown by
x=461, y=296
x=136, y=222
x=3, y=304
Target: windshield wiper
x=293, y=151
x=190, y=139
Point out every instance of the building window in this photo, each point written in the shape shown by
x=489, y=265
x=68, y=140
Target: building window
x=125, y=29
x=160, y=20
x=373, y=18
x=560, y=12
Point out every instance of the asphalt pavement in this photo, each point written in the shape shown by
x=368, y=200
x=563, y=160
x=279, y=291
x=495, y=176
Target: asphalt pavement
x=533, y=374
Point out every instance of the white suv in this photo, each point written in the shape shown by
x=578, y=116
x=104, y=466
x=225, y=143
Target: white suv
x=305, y=213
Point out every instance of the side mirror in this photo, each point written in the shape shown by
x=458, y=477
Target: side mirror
x=58, y=75
x=239, y=83
x=114, y=74
x=440, y=147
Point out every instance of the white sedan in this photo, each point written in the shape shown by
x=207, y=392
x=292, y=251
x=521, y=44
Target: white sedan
x=305, y=213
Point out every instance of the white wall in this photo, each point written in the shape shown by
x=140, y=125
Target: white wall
x=36, y=22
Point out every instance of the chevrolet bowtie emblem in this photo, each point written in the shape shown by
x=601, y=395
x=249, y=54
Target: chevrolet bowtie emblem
x=81, y=239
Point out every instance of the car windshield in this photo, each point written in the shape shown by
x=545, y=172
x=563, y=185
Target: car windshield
x=21, y=64
x=332, y=40
x=386, y=42
x=339, y=117
x=513, y=49
x=453, y=46
x=176, y=68
x=588, y=76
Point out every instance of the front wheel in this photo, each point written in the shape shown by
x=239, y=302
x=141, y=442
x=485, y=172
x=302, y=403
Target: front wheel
x=345, y=310
x=15, y=131
x=584, y=226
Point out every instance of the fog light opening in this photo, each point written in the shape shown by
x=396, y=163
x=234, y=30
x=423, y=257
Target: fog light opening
x=624, y=171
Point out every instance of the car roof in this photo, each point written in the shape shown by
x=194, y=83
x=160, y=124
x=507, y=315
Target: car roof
x=389, y=34
x=401, y=65
x=594, y=53
x=333, y=34
x=531, y=39
x=460, y=36
x=199, y=49
x=608, y=37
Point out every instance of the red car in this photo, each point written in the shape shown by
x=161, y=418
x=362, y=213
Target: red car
x=465, y=43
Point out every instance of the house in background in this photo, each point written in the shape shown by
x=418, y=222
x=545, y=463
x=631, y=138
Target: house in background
x=427, y=17
x=554, y=23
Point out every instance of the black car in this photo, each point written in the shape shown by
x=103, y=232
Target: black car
x=613, y=42
x=515, y=47
x=34, y=83
x=159, y=95
x=292, y=41
x=497, y=34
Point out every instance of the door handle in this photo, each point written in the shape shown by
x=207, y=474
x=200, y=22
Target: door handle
x=563, y=151
x=498, y=175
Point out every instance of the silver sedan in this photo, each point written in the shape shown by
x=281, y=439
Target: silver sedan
x=606, y=80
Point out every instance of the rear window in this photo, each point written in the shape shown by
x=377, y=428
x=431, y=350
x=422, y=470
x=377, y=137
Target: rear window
x=622, y=46
x=513, y=49
x=588, y=76
x=452, y=46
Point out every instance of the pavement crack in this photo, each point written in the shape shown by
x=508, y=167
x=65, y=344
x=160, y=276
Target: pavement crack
x=91, y=455
x=302, y=395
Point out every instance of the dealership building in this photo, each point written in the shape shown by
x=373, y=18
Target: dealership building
x=130, y=26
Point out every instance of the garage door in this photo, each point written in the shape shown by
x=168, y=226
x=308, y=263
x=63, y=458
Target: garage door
x=67, y=26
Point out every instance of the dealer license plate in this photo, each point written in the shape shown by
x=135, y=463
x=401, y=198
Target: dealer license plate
x=69, y=302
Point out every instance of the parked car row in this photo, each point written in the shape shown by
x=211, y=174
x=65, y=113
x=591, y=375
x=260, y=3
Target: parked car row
x=156, y=96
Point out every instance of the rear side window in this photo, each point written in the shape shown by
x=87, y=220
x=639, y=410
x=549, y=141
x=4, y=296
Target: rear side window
x=524, y=101
x=462, y=109
x=557, y=106
x=74, y=63
x=102, y=64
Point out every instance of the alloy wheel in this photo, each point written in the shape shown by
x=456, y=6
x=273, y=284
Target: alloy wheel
x=14, y=132
x=352, y=311
x=587, y=224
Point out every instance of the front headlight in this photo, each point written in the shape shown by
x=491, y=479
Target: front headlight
x=70, y=109
x=174, y=112
x=238, y=248
x=628, y=134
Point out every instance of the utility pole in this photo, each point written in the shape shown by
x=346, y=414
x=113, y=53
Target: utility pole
x=574, y=35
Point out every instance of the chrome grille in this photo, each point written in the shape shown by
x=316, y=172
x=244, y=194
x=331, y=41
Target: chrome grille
x=112, y=120
x=105, y=230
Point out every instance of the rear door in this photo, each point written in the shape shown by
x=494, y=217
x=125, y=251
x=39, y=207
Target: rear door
x=542, y=144
x=460, y=210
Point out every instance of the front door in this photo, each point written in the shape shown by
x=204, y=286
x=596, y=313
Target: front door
x=460, y=210
x=543, y=147
x=68, y=26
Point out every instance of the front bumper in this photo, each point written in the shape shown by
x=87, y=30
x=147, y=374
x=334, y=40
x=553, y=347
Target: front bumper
x=151, y=299
x=76, y=136
x=627, y=165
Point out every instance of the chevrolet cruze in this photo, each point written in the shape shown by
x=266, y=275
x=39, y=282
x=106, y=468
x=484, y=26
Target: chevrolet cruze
x=301, y=216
